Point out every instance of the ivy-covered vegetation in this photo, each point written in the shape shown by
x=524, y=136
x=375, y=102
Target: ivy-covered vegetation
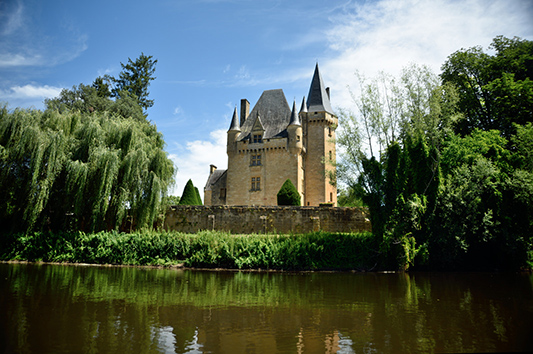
x=316, y=251
x=444, y=164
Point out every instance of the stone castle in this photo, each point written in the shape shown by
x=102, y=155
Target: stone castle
x=273, y=143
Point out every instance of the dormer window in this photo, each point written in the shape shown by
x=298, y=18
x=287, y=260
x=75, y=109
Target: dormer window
x=257, y=138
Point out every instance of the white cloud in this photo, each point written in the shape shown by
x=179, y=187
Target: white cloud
x=31, y=91
x=194, y=159
x=28, y=95
x=388, y=35
x=12, y=60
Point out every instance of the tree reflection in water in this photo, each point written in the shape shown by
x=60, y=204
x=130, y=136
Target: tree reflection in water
x=53, y=308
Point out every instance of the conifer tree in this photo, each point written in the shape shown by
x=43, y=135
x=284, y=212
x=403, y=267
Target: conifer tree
x=288, y=195
x=189, y=196
x=198, y=198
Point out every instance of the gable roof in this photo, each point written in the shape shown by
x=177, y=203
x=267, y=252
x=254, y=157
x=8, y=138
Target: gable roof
x=318, y=99
x=274, y=114
x=213, y=178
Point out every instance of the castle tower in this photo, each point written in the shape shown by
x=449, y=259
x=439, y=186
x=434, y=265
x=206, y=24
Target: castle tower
x=233, y=133
x=319, y=143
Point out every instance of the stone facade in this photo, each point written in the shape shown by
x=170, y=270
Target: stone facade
x=273, y=143
x=266, y=219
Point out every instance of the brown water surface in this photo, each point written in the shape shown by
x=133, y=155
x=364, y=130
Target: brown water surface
x=82, y=309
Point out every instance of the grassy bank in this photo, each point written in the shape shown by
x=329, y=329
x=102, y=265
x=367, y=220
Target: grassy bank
x=315, y=251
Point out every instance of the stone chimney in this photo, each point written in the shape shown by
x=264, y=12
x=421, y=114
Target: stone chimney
x=212, y=169
x=245, y=110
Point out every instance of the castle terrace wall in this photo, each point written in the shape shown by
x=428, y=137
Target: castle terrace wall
x=266, y=219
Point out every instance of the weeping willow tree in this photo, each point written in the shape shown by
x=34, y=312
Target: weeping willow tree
x=81, y=171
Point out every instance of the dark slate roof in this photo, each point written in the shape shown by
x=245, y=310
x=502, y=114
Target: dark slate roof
x=317, y=99
x=274, y=113
x=213, y=178
x=294, y=116
x=235, y=121
x=303, y=108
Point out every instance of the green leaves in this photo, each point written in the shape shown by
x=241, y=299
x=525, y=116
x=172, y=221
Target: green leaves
x=77, y=170
x=135, y=79
x=190, y=195
x=288, y=194
x=495, y=90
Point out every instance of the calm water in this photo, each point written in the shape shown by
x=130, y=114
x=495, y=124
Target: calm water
x=80, y=309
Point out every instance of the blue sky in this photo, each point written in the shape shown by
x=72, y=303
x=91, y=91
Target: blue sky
x=212, y=53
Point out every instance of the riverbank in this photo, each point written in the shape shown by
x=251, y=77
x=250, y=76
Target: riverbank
x=314, y=251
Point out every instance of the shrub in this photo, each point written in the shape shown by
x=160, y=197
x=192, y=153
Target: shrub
x=189, y=196
x=288, y=195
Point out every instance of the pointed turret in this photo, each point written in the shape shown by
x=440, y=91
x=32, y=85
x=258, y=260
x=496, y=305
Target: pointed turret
x=235, y=126
x=294, y=116
x=295, y=132
x=318, y=96
x=233, y=133
x=303, y=108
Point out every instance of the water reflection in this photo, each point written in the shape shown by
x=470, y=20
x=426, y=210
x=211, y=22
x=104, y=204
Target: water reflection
x=64, y=309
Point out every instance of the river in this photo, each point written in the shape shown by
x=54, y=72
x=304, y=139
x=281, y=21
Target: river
x=92, y=309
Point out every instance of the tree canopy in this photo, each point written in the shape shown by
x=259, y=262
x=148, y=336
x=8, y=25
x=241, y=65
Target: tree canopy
x=82, y=171
x=444, y=165
x=88, y=162
x=496, y=91
x=135, y=79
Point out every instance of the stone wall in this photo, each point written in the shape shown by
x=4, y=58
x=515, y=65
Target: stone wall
x=266, y=219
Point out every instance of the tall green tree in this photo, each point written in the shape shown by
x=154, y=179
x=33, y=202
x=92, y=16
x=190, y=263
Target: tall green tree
x=135, y=79
x=95, y=98
x=79, y=170
x=496, y=90
x=190, y=195
x=409, y=119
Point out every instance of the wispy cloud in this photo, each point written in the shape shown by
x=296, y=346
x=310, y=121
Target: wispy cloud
x=22, y=43
x=388, y=35
x=11, y=18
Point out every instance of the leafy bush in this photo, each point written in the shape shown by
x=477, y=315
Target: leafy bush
x=288, y=194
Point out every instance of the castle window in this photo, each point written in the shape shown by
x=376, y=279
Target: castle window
x=258, y=138
x=297, y=138
x=256, y=160
x=256, y=183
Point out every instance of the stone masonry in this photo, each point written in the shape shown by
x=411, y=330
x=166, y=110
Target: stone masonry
x=272, y=143
x=266, y=219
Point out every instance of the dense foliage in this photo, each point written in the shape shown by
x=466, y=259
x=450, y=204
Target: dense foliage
x=496, y=91
x=190, y=195
x=316, y=251
x=134, y=80
x=438, y=199
x=288, y=194
x=88, y=162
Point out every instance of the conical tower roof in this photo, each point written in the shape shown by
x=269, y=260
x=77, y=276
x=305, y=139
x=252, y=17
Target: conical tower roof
x=318, y=99
x=303, y=108
x=294, y=116
x=235, y=123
